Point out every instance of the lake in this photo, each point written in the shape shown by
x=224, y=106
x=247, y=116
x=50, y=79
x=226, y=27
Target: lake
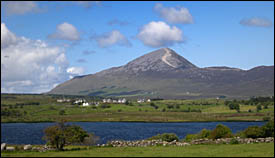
x=32, y=133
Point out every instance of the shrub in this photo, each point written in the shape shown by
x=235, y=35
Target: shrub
x=105, y=106
x=253, y=132
x=259, y=107
x=169, y=137
x=127, y=102
x=190, y=137
x=268, y=129
x=204, y=133
x=170, y=106
x=221, y=131
x=119, y=110
x=62, y=112
x=234, y=141
x=266, y=118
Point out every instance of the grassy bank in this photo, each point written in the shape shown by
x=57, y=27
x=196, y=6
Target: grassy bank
x=224, y=150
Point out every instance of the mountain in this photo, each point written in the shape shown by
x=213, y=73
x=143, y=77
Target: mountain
x=165, y=74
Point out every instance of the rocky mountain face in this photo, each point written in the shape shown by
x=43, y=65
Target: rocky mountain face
x=165, y=74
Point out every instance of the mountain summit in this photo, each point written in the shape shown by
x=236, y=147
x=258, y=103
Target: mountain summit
x=160, y=60
x=163, y=73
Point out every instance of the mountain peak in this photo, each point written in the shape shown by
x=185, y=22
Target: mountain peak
x=160, y=60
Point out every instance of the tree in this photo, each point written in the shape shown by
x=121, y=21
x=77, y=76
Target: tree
x=253, y=132
x=268, y=129
x=221, y=131
x=62, y=112
x=127, y=102
x=259, y=107
x=60, y=135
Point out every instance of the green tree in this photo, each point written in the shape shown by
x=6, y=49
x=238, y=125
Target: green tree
x=259, y=107
x=268, y=129
x=221, y=131
x=127, y=102
x=253, y=132
x=60, y=135
x=62, y=112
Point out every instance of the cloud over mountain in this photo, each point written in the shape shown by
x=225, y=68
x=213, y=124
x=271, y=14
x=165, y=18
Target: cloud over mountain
x=159, y=34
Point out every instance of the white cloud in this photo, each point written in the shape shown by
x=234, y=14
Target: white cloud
x=7, y=37
x=30, y=66
x=75, y=71
x=20, y=7
x=259, y=22
x=112, y=38
x=65, y=31
x=178, y=15
x=158, y=34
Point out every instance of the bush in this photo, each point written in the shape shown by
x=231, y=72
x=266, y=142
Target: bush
x=253, y=132
x=170, y=106
x=204, y=133
x=221, y=131
x=268, y=129
x=105, y=106
x=234, y=141
x=62, y=112
x=190, y=137
x=266, y=118
x=259, y=107
x=169, y=137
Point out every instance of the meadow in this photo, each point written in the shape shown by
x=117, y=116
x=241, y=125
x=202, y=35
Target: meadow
x=45, y=108
x=222, y=150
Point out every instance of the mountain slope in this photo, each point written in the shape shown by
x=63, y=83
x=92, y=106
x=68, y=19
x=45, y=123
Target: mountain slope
x=163, y=73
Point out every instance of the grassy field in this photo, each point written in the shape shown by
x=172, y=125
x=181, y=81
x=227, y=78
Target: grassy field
x=49, y=109
x=224, y=150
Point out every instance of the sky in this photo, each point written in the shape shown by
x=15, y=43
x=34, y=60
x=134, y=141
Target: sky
x=44, y=44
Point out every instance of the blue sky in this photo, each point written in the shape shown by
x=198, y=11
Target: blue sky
x=87, y=37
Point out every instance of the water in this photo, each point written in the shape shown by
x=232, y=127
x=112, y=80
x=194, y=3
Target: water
x=32, y=133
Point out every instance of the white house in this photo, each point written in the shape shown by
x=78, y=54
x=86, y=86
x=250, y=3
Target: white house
x=85, y=104
x=109, y=100
x=140, y=100
x=148, y=100
x=123, y=100
x=79, y=101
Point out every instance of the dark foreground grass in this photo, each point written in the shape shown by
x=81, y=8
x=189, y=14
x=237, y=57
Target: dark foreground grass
x=224, y=150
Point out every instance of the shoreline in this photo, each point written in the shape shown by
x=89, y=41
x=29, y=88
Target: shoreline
x=143, y=121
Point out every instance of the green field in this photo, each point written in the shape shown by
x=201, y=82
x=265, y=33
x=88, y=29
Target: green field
x=49, y=109
x=224, y=150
